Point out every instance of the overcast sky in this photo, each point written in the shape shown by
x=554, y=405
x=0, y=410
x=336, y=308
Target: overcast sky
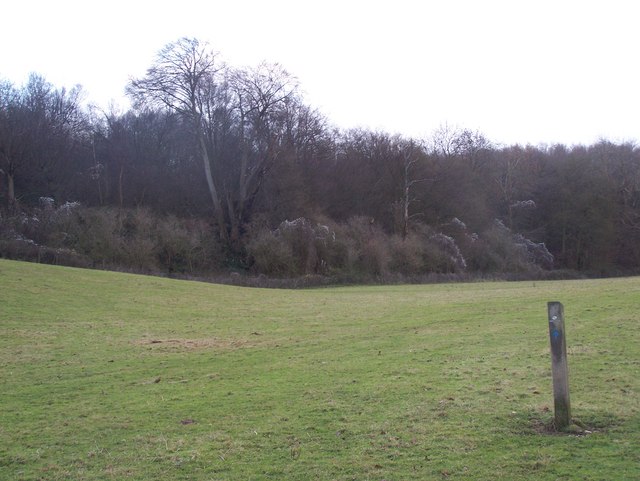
x=520, y=71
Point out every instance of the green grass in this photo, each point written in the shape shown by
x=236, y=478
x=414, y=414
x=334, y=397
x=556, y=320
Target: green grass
x=113, y=376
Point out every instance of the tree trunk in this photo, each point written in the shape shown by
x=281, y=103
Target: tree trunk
x=120, y=193
x=217, y=205
x=11, y=191
x=405, y=210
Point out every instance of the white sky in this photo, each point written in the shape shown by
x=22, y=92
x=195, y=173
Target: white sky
x=520, y=71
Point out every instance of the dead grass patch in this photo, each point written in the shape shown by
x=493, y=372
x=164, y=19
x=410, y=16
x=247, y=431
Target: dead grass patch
x=194, y=344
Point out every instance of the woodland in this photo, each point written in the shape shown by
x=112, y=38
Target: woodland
x=222, y=171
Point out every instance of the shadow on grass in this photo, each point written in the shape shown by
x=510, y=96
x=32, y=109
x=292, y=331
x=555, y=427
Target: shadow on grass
x=583, y=423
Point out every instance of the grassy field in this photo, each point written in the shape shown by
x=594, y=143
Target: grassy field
x=113, y=376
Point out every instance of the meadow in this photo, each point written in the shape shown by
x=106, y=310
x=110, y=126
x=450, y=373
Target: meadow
x=117, y=376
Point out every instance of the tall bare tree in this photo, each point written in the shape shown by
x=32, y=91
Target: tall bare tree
x=237, y=117
x=38, y=128
x=265, y=98
x=410, y=153
x=13, y=137
x=181, y=79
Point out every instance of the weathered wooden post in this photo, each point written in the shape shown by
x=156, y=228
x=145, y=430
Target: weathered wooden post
x=559, y=365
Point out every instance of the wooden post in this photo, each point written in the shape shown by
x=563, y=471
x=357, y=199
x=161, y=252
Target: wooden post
x=559, y=365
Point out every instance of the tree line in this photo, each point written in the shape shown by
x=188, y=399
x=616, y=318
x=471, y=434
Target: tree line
x=216, y=168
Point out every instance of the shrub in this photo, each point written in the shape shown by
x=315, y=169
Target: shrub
x=270, y=255
x=132, y=239
x=446, y=254
x=295, y=248
x=187, y=246
x=407, y=255
x=366, y=248
x=498, y=249
x=137, y=232
x=96, y=233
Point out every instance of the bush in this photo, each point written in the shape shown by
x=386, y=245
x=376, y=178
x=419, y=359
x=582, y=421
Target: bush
x=407, y=255
x=187, y=246
x=132, y=239
x=356, y=251
x=296, y=248
x=366, y=248
x=500, y=250
x=96, y=233
x=425, y=250
x=33, y=236
x=20, y=249
x=270, y=255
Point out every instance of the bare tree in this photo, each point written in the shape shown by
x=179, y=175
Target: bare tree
x=265, y=100
x=13, y=141
x=410, y=153
x=38, y=127
x=181, y=79
x=449, y=142
x=238, y=119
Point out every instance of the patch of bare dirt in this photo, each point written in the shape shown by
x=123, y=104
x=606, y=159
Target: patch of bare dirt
x=193, y=344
